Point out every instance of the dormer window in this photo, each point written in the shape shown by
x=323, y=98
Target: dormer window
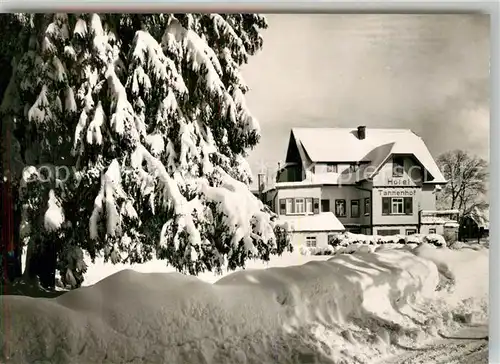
x=331, y=168
x=398, y=164
x=354, y=167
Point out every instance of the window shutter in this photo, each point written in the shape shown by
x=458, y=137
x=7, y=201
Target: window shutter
x=408, y=205
x=282, y=206
x=316, y=205
x=386, y=205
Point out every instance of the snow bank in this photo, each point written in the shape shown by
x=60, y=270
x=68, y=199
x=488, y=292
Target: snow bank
x=323, y=311
x=466, y=272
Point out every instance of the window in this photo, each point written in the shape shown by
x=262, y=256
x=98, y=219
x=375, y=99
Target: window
x=432, y=231
x=299, y=206
x=367, y=206
x=340, y=208
x=331, y=168
x=354, y=208
x=398, y=164
x=325, y=205
x=411, y=231
x=388, y=232
x=316, y=205
x=397, y=205
x=289, y=206
x=282, y=206
x=310, y=241
x=309, y=205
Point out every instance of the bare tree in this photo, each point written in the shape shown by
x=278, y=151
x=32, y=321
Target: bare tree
x=467, y=177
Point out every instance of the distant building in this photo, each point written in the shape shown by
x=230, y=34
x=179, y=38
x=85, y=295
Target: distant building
x=374, y=181
x=476, y=225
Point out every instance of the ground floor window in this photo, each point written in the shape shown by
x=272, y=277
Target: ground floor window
x=367, y=206
x=388, y=232
x=411, y=231
x=310, y=241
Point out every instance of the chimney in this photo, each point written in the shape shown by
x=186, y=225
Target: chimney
x=260, y=180
x=361, y=132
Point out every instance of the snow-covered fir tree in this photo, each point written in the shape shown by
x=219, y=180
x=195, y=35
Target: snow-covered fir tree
x=149, y=114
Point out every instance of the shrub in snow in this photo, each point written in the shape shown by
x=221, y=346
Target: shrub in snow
x=149, y=113
x=414, y=239
x=353, y=242
x=435, y=239
x=327, y=250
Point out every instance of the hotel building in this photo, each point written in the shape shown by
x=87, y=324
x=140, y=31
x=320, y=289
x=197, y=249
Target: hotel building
x=369, y=181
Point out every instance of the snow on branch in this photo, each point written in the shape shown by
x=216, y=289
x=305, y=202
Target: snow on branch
x=54, y=216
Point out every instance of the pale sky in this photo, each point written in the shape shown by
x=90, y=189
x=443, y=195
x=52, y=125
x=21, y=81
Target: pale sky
x=428, y=73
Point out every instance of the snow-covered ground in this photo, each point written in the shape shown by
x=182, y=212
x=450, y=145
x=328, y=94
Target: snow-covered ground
x=388, y=306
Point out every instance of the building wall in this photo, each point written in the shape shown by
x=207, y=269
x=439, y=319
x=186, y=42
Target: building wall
x=409, y=185
x=395, y=219
x=428, y=197
x=347, y=193
x=428, y=228
x=304, y=192
x=299, y=239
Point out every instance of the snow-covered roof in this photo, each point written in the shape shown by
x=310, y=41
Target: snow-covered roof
x=325, y=221
x=440, y=212
x=343, y=145
x=438, y=217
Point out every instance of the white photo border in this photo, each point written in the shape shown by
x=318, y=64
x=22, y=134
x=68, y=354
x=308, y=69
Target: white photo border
x=427, y=6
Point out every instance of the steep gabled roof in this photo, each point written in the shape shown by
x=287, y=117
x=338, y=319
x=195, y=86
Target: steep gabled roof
x=342, y=145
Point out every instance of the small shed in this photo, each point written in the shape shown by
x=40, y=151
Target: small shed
x=312, y=230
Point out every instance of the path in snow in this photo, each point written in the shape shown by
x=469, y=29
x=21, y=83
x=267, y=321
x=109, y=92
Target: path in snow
x=469, y=345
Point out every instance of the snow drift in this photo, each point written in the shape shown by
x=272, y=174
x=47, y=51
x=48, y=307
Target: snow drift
x=350, y=308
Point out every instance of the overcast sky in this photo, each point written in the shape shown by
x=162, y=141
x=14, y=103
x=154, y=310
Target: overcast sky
x=428, y=73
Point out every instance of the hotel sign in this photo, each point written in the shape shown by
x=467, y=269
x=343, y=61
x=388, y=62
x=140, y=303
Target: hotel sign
x=399, y=182
x=398, y=193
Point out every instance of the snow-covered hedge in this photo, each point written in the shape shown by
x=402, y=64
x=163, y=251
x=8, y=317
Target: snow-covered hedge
x=347, y=243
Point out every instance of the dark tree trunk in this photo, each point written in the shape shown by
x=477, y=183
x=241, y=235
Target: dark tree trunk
x=11, y=219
